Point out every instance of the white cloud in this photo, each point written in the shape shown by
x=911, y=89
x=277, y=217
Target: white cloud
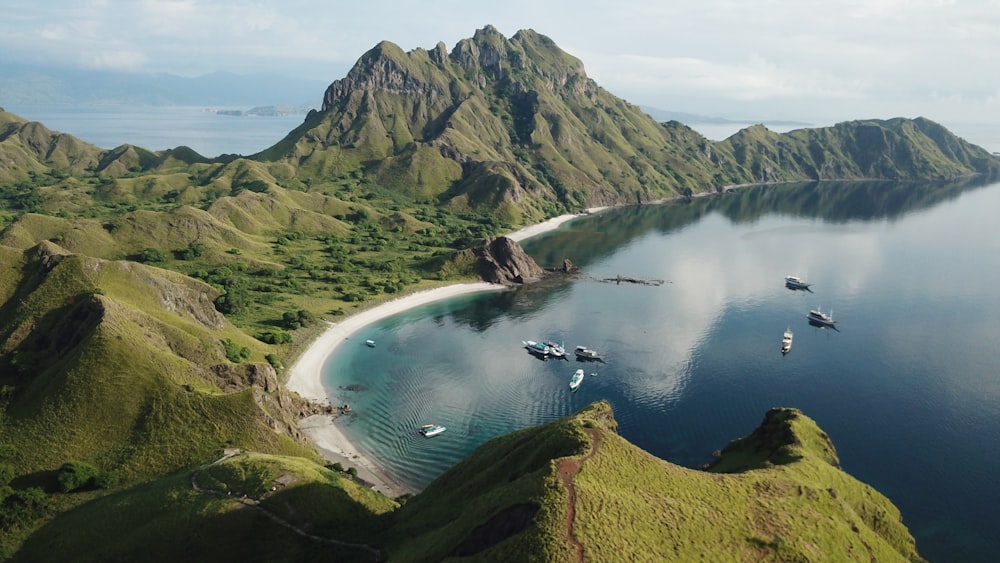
x=808, y=54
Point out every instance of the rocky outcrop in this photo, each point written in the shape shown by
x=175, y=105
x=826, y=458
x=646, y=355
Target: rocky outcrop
x=501, y=260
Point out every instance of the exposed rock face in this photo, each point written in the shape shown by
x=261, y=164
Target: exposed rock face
x=501, y=260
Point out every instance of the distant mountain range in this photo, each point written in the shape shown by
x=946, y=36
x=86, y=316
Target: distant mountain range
x=20, y=84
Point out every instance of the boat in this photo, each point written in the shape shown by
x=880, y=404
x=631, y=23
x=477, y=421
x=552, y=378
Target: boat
x=786, y=341
x=539, y=349
x=556, y=350
x=370, y=343
x=584, y=353
x=430, y=430
x=795, y=282
x=818, y=317
x=576, y=380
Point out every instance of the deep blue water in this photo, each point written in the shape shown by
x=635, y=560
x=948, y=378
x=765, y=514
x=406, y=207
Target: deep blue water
x=907, y=387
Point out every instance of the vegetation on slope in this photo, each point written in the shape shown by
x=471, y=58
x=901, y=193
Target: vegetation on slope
x=568, y=490
x=147, y=298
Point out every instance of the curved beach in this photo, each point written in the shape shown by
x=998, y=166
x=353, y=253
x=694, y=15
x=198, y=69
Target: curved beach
x=305, y=377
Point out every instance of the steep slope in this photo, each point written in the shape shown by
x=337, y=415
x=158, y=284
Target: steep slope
x=515, y=126
x=512, y=124
x=125, y=366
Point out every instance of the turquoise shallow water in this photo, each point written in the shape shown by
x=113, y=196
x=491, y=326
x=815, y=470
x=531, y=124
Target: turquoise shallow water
x=907, y=387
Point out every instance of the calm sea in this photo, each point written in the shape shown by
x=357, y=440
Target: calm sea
x=163, y=127
x=906, y=386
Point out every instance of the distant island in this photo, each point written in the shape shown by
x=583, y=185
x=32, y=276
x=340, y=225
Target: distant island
x=264, y=111
x=693, y=118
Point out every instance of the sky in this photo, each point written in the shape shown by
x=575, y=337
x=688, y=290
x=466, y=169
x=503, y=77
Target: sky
x=807, y=60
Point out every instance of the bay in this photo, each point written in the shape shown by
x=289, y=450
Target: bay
x=906, y=386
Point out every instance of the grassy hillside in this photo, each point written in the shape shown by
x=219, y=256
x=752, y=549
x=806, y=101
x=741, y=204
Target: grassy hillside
x=127, y=368
x=515, y=127
x=565, y=491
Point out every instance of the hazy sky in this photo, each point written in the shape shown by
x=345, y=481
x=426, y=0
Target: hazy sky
x=778, y=59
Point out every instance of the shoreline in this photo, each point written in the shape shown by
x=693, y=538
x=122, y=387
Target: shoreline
x=305, y=376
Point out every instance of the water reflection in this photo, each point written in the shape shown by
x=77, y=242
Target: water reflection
x=697, y=355
x=587, y=240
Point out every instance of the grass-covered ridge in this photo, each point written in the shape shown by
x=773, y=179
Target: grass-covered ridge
x=568, y=490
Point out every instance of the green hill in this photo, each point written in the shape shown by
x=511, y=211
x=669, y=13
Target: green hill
x=565, y=491
x=516, y=126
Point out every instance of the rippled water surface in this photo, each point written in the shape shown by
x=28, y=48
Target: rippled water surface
x=908, y=386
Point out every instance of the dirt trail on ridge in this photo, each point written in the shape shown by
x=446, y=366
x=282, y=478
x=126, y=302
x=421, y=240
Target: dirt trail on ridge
x=568, y=468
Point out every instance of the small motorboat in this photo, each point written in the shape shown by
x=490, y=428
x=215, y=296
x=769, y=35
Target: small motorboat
x=370, y=343
x=555, y=350
x=431, y=430
x=576, y=380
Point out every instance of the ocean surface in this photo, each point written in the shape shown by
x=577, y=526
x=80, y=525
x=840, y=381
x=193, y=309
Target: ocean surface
x=163, y=127
x=907, y=385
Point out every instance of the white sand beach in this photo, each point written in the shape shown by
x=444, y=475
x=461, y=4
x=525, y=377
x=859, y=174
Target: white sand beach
x=306, y=378
x=306, y=375
x=549, y=225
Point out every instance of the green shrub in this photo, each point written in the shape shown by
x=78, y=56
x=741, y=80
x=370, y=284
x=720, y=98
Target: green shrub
x=296, y=320
x=274, y=360
x=234, y=352
x=151, y=255
x=275, y=337
x=6, y=473
x=74, y=475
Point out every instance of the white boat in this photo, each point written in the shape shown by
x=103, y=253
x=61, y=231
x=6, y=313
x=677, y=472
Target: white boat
x=818, y=317
x=370, y=343
x=537, y=348
x=576, y=380
x=556, y=350
x=584, y=353
x=430, y=430
x=786, y=341
x=795, y=282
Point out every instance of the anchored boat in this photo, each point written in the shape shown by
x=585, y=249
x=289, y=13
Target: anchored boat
x=786, y=341
x=556, y=350
x=430, y=430
x=539, y=349
x=795, y=282
x=818, y=317
x=584, y=353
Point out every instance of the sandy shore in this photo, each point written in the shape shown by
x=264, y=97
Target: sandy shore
x=306, y=375
x=306, y=378
x=549, y=225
